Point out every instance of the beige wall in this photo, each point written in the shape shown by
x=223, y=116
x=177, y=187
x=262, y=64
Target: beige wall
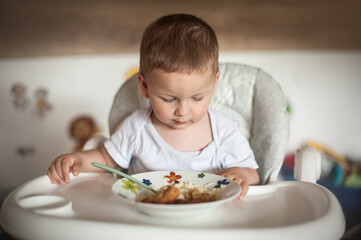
x=67, y=27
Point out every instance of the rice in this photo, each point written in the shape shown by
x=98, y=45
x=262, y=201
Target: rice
x=185, y=187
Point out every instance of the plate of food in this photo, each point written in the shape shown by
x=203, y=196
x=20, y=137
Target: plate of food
x=179, y=193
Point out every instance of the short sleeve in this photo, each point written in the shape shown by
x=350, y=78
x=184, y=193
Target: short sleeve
x=122, y=143
x=237, y=152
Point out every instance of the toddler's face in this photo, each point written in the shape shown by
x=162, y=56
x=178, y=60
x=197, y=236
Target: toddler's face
x=179, y=99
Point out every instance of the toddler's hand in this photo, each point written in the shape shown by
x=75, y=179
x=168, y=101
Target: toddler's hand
x=236, y=175
x=59, y=170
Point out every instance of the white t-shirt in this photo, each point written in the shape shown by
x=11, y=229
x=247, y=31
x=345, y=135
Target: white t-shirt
x=137, y=146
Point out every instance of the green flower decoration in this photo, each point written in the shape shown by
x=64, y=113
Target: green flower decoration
x=129, y=185
x=201, y=175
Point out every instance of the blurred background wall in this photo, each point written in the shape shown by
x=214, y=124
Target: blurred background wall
x=62, y=60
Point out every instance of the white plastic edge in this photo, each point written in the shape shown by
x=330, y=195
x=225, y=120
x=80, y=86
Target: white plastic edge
x=307, y=164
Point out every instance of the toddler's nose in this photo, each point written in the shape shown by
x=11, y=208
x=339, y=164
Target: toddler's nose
x=182, y=109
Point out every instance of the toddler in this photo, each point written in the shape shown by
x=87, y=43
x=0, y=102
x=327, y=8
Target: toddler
x=178, y=74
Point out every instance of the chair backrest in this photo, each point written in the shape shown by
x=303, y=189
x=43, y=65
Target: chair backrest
x=246, y=94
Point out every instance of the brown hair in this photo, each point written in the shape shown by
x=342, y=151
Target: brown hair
x=179, y=43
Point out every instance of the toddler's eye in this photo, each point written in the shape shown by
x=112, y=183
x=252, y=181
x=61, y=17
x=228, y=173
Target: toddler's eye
x=198, y=99
x=168, y=100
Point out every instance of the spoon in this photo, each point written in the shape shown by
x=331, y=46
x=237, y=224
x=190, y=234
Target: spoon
x=95, y=164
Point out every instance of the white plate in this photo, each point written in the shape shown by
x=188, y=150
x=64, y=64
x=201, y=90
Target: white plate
x=130, y=192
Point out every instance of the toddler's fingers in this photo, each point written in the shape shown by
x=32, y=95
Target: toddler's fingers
x=59, y=172
x=65, y=167
x=53, y=175
x=75, y=169
x=52, y=180
x=245, y=187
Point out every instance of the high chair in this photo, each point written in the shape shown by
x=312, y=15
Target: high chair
x=86, y=208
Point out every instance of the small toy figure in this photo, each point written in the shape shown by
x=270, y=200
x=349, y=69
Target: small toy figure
x=42, y=105
x=19, y=99
x=81, y=129
x=25, y=151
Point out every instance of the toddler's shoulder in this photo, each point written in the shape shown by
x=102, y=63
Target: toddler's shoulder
x=136, y=120
x=221, y=120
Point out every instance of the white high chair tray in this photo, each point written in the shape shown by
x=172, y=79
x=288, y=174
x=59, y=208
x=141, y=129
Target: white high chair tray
x=87, y=208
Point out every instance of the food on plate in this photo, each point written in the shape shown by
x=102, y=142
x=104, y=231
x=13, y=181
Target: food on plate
x=166, y=196
x=183, y=193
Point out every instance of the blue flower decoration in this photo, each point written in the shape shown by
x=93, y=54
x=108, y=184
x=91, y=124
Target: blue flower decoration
x=147, y=182
x=222, y=182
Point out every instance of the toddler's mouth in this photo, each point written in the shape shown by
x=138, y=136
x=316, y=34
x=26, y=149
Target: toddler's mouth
x=180, y=122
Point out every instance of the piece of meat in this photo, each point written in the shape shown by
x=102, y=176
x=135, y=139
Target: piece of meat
x=164, y=196
x=170, y=194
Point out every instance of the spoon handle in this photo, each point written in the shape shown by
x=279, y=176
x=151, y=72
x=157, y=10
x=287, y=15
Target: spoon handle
x=95, y=164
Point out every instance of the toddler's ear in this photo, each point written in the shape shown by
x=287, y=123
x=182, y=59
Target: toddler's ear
x=216, y=81
x=217, y=77
x=143, y=85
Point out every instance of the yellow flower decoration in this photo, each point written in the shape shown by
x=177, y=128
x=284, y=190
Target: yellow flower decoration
x=129, y=185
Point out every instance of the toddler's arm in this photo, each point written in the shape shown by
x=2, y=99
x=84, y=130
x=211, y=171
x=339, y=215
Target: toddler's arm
x=244, y=176
x=59, y=170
